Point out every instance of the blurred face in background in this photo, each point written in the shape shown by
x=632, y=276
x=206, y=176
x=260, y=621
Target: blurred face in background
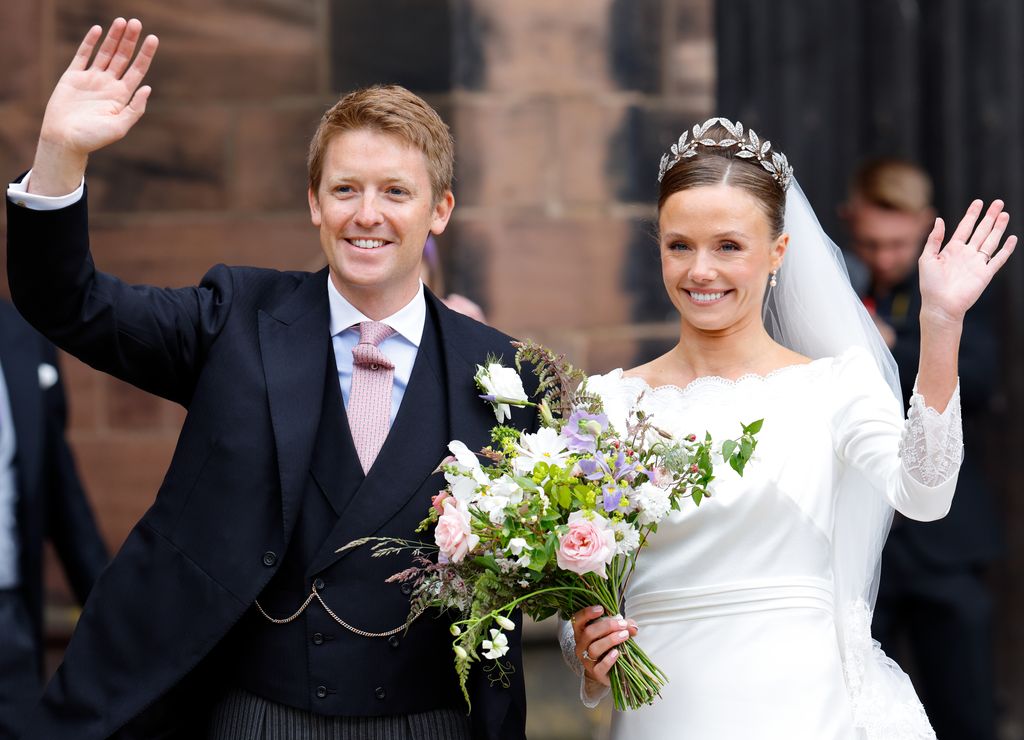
x=887, y=241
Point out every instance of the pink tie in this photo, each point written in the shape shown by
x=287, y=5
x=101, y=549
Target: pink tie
x=369, y=404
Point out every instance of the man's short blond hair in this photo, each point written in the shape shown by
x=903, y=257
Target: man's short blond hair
x=393, y=110
x=893, y=184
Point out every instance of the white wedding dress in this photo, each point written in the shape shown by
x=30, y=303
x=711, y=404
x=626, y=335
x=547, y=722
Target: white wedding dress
x=735, y=598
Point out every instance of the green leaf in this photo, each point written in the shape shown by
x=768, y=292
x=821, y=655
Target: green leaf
x=488, y=562
x=538, y=560
x=526, y=484
x=753, y=427
x=564, y=497
x=697, y=496
x=727, y=448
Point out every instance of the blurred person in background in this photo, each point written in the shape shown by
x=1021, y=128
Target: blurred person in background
x=40, y=498
x=933, y=599
x=432, y=276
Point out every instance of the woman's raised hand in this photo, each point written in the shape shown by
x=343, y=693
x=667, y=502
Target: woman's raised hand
x=954, y=277
x=596, y=641
x=93, y=105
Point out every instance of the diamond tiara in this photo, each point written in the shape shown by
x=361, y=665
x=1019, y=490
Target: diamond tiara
x=750, y=147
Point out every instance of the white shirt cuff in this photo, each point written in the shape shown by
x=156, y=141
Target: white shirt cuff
x=17, y=193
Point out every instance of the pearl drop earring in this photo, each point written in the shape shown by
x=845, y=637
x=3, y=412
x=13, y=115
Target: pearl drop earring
x=774, y=281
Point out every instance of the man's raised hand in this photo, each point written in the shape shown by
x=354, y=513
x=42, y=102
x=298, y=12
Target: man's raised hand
x=93, y=105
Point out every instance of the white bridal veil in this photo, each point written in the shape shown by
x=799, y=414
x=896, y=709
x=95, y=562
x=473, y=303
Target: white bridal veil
x=814, y=311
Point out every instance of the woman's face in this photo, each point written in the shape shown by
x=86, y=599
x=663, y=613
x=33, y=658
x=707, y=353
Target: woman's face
x=717, y=252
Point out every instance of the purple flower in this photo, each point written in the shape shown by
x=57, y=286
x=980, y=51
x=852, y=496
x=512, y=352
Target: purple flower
x=623, y=469
x=594, y=468
x=612, y=496
x=581, y=431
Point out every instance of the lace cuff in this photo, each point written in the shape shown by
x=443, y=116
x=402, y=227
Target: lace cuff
x=591, y=692
x=932, y=445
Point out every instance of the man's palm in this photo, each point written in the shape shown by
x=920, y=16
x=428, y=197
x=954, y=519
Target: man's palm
x=96, y=104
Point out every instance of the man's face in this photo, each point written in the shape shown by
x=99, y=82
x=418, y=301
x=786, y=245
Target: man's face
x=374, y=210
x=887, y=242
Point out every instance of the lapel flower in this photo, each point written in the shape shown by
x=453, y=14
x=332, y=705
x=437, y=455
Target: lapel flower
x=501, y=387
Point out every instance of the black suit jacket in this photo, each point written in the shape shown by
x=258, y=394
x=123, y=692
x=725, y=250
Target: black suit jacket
x=51, y=503
x=245, y=352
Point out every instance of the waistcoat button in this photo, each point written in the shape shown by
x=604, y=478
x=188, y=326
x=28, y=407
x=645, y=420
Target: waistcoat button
x=393, y=641
x=380, y=693
x=318, y=638
x=269, y=558
x=321, y=692
x=319, y=584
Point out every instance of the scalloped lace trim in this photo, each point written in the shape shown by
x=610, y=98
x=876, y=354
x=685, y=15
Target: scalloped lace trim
x=716, y=381
x=883, y=700
x=932, y=444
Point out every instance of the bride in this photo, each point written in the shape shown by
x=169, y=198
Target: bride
x=757, y=605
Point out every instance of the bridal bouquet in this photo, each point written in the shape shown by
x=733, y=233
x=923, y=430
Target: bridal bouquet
x=552, y=521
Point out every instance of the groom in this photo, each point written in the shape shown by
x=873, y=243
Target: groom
x=318, y=407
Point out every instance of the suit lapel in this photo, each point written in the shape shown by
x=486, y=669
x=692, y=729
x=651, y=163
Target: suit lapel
x=335, y=465
x=294, y=340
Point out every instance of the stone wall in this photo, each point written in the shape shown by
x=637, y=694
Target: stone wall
x=559, y=109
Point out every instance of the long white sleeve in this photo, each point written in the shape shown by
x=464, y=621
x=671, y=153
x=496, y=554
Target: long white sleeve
x=916, y=460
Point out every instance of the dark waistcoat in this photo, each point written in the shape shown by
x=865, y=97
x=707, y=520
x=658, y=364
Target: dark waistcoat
x=313, y=662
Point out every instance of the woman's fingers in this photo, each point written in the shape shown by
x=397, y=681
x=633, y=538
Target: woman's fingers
x=1000, y=257
x=600, y=647
x=933, y=245
x=990, y=243
x=604, y=667
x=985, y=226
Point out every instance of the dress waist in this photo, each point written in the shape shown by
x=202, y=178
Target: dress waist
x=741, y=597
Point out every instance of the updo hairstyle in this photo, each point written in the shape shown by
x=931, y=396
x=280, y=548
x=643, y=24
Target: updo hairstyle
x=721, y=166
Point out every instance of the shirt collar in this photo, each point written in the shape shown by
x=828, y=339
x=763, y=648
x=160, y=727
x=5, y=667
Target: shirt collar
x=407, y=321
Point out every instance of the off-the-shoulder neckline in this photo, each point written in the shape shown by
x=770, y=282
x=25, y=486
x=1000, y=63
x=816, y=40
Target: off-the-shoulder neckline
x=719, y=380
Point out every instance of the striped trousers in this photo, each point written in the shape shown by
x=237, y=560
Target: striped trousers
x=245, y=716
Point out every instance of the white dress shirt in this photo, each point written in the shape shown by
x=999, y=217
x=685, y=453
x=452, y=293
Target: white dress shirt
x=18, y=193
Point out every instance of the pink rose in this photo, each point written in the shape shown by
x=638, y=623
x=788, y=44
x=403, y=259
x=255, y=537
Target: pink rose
x=453, y=534
x=588, y=546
